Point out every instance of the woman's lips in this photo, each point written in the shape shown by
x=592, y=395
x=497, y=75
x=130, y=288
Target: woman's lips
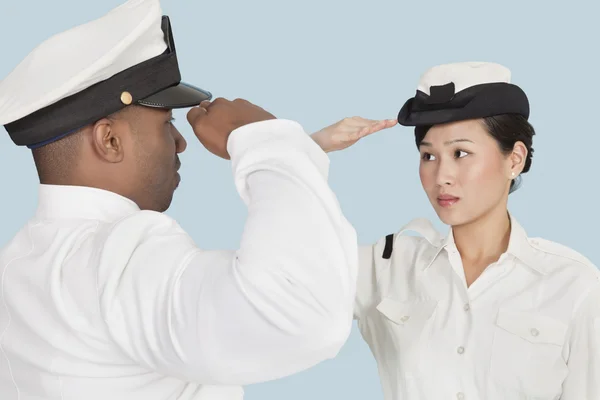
x=447, y=200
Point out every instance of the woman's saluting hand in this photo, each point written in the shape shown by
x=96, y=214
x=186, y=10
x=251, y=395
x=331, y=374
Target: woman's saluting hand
x=348, y=131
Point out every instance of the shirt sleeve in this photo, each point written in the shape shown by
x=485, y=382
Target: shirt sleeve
x=366, y=281
x=583, y=380
x=280, y=304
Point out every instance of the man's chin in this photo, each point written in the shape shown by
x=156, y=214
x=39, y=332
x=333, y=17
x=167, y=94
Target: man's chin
x=166, y=204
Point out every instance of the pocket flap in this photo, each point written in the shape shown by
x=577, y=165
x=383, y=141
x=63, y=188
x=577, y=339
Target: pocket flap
x=533, y=328
x=403, y=312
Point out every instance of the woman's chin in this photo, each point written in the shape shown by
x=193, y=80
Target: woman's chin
x=451, y=217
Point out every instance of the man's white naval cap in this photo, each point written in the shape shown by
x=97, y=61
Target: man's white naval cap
x=93, y=70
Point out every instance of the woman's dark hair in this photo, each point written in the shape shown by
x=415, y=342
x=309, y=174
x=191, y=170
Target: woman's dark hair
x=507, y=129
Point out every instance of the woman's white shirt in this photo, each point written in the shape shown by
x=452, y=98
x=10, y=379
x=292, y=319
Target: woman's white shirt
x=527, y=328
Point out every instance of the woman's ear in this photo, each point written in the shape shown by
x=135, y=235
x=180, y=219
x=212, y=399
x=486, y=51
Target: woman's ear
x=517, y=159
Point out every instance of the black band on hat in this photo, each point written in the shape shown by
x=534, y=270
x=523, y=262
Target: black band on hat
x=440, y=94
x=96, y=102
x=155, y=82
x=479, y=101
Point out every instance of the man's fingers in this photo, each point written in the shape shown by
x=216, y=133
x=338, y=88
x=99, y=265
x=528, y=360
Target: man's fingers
x=195, y=113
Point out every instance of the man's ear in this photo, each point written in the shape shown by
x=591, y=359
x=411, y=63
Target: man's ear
x=107, y=140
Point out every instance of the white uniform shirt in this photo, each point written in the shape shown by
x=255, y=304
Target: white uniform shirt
x=102, y=301
x=527, y=328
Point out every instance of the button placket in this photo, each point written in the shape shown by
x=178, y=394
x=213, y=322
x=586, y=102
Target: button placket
x=534, y=332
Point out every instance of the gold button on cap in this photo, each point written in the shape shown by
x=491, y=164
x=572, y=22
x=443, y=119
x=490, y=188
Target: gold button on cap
x=126, y=98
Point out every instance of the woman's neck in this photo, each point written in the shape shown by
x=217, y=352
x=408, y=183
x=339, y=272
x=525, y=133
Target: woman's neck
x=483, y=241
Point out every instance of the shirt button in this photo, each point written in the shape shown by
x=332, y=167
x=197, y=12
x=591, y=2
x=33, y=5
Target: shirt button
x=460, y=350
x=467, y=307
x=460, y=396
x=534, y=332
x=405, y=318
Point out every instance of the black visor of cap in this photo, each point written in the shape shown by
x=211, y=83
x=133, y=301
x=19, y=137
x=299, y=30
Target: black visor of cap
x=181, y=95
x=154, y=83
x=443, y=105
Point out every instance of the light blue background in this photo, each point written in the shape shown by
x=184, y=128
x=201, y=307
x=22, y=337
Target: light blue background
x=319, y=61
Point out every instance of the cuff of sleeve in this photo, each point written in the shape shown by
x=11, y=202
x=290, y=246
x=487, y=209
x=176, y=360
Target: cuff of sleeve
x=256, y=137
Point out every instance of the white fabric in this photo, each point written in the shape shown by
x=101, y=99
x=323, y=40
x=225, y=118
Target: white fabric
x=464, y=75
x=527, y=328
x=103, y=301
x=78, y=58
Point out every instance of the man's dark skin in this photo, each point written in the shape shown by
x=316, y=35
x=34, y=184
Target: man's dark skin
x=134, y=152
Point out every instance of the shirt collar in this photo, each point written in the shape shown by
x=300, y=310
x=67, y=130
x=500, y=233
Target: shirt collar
x=519, y=245
x=81, y=202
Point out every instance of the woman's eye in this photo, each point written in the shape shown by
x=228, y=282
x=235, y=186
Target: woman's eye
x=460, y=153
x=427, y=157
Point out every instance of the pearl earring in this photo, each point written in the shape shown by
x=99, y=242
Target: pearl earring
x=513, y=174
